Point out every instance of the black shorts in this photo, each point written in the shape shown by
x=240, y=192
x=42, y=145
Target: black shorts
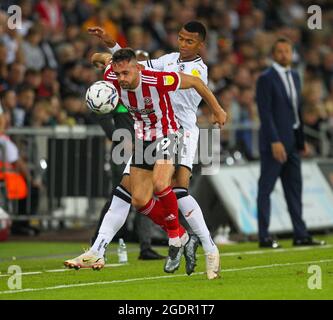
x=146, y=153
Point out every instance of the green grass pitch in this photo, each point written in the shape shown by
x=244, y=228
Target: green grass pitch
x=247, y=273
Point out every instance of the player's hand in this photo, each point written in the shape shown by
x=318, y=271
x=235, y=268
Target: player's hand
x=101, y=34
x=220, y=118
x=279, y=152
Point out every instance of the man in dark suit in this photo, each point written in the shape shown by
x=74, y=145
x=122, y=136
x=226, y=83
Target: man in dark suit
x=281, y=139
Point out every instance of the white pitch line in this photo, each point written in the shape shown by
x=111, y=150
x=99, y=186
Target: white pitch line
x=253, y=252
x=105, y=266
x=21, y=274
x=66, y=286
x=277, y=265
x=227, y=254
x=59, y=270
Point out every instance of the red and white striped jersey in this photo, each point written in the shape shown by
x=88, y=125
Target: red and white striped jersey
x=149, y=104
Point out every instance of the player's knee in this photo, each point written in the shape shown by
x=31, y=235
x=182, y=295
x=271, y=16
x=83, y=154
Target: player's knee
x=180, y=184
x=138, y=202
x=125, y=183
x=159, y=185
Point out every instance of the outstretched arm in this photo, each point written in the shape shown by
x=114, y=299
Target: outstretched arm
x=113, y=46
x=188, y=81
x=101, y=34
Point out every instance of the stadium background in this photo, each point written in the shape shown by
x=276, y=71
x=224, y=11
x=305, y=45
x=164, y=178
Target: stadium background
x=45, y=71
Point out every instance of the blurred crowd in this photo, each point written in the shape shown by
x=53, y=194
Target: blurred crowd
x=45, y=65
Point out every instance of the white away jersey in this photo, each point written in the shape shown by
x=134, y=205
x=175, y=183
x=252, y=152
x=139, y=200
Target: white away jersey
x=185, y=102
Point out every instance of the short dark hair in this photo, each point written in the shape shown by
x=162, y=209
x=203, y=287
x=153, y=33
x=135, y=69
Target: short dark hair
x=281, y=40
x=124, y=54
x=196, y=26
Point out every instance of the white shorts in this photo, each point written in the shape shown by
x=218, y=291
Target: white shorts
x=189, y=144
x=187, y=153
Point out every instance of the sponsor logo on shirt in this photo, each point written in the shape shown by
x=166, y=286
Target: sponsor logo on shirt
x=147, y=101
x=141, y=111
x=196, y=73
x=168, y=80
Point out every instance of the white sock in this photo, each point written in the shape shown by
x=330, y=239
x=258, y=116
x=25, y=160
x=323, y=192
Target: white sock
x=184, y=238
x=175, y=242
x=112, y=222
x=193, y=215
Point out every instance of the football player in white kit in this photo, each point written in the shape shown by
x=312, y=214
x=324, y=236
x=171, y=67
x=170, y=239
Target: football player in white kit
x=190, y=41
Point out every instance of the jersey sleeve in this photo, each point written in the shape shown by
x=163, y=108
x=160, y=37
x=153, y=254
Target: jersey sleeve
x=109, y=74
x=204, y=76
x=115, y=48
x=200, y=72
x=168, y=81
x=154, y=64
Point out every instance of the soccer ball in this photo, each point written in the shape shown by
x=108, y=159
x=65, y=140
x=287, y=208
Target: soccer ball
x=102, y=97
